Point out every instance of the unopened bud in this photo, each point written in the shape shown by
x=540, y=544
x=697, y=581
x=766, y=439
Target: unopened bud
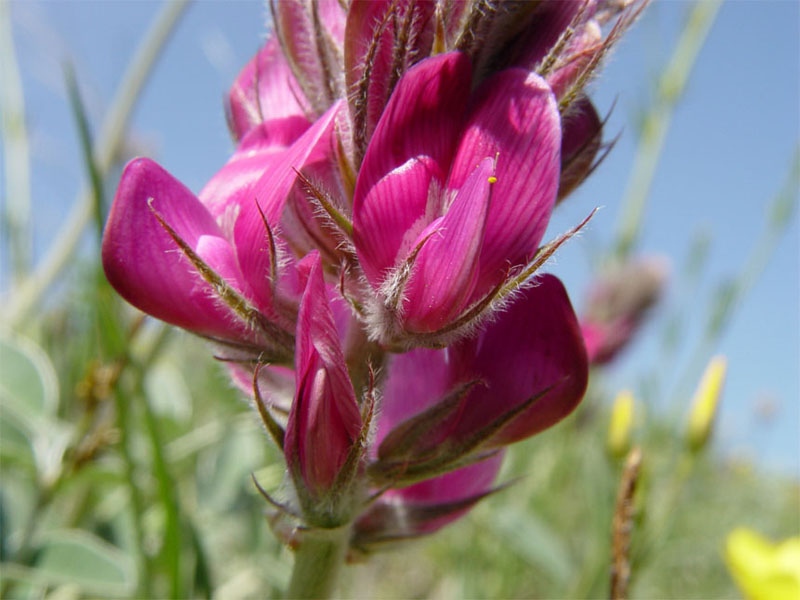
x=621, y=424
x=322, y=444
x=618, y=303
x=704, y=405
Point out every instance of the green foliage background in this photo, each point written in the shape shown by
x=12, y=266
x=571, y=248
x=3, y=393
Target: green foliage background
x=141, y=487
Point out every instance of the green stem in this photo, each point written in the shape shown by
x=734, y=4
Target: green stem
x=143, y=565
x=16, y=157
x=654, y=538
x=657, y=121
x=167, y=491
x=318, y=561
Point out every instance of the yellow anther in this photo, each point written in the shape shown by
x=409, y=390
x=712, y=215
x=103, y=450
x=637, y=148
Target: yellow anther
x=492, y=179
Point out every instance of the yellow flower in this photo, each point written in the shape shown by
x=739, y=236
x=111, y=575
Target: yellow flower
x=621, y=423
x=761, y=569
x=704, y=405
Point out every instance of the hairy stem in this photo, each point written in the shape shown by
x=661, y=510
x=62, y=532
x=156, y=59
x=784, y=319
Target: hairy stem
x=318, y=561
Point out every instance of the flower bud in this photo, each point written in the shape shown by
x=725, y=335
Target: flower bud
x=621, y=424
x=311, y=36
x=324, y=421
x=460, y=169
x=582, y=133
x=617, y=305
x=264, y=92
x=763, y=570
x=383, y=39
x=704, y=405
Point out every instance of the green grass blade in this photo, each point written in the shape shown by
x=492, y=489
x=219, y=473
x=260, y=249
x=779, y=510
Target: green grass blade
x=85, y=138
x=112, y=134
x=17, y=218
x=670, y=88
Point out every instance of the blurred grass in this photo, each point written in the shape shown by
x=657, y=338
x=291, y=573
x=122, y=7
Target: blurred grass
x=14, y=134
x=547, y=536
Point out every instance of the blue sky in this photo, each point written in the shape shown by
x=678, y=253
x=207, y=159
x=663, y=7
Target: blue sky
x=725, y=158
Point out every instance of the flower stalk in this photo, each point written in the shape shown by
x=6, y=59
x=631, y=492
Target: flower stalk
x=318, y=562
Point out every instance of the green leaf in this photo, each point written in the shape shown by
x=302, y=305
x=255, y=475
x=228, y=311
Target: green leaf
x=80, y=558
x=28, y=404
x=15, y=445
x=240, y=454
x=28, y=381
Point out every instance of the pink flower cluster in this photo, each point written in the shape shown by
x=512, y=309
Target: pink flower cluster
x=366, y=260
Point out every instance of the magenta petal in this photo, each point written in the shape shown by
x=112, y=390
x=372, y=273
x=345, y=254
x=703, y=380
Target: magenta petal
x=393, y=214
x=316, y=327
x=514, y=117
x=324, y=420
x=396, y=194
x=415, y=381
x=333, y=18
x=302, y=225
x=270, y=193
x=217, y=253
x=144, y=264
x=446, y=269
x=423, y=118
x=460, y=484
x=294, y=277
x=265, y=90
x=231, y=185
x=535, y=345
x=363, y=17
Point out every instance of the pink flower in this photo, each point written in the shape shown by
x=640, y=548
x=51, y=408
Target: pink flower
x=208, y=263
x=441, y=408
x=324, y=421
x=424, y=204
x=532, y=352
x=455, y=192
x=562, y=41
